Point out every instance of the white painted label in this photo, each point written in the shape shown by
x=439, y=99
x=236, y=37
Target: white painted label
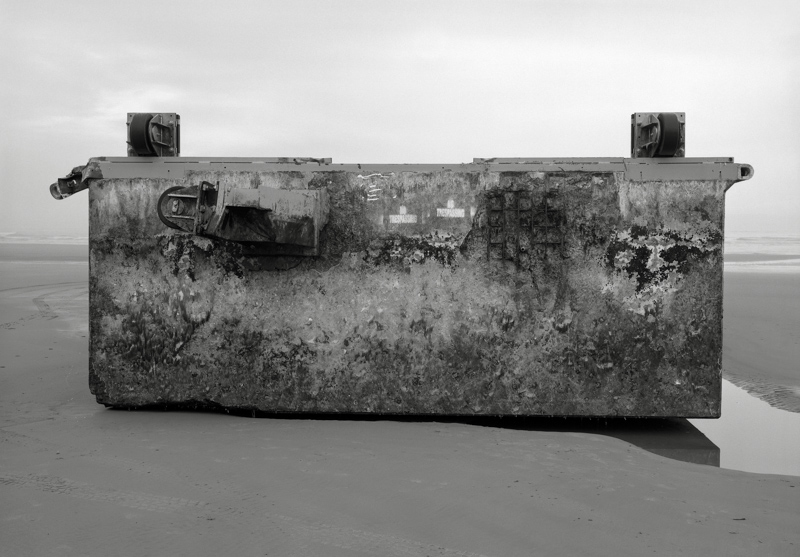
x=450, y=212
x=402, y=218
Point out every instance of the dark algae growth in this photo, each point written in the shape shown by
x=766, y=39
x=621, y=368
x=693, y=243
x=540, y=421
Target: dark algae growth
x=434, y=292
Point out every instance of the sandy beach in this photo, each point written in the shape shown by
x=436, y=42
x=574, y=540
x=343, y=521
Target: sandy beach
x=79, y=479
x=489, y=208
x=761, y=347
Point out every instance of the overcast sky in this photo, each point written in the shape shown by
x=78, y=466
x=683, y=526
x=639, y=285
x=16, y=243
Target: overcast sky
x=397, y=82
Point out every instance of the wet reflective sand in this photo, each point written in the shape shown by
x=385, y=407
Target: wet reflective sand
x=754, y=436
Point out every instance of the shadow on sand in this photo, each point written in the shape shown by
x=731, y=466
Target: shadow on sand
x=674, y=438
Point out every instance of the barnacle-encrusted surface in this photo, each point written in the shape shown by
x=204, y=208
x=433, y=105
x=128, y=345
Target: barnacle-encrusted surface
x=451, y=293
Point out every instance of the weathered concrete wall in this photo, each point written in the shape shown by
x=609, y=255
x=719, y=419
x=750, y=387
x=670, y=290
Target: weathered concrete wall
x=475, y=292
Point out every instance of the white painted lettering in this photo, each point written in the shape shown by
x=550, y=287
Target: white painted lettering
x=450, y=213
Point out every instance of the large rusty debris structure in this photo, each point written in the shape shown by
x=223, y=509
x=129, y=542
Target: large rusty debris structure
x=529, y=286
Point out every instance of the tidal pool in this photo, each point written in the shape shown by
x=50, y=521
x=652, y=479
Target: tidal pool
x=752, y=435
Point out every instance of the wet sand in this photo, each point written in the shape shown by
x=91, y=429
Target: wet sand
x=78, y=479
x=761, y=341
x=753, y=436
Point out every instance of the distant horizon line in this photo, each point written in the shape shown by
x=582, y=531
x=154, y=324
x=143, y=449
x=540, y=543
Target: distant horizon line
x=34, y=238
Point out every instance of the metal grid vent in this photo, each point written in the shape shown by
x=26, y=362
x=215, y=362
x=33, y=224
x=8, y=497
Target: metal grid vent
x=524, y=225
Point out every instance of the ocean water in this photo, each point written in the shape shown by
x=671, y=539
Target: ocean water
x=737, y=243
x=762, y=253
x=18, y=238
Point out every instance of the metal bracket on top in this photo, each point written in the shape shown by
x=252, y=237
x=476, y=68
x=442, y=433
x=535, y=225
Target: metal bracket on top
x=275, y=221
x=658, y=134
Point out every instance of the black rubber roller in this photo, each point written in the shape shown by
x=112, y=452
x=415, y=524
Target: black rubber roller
x=140, y=135
x=669, y=138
